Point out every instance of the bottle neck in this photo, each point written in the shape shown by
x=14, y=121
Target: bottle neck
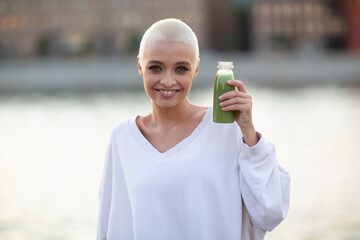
x=224, y=70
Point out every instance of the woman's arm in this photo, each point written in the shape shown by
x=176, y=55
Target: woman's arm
x=265, y=186
x=105, y=195
x=115, y=219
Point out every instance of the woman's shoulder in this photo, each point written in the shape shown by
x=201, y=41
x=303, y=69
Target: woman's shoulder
x=202, y=109
x=222, y=127
x=142, y=120
x=200, y=112
x=122, y=126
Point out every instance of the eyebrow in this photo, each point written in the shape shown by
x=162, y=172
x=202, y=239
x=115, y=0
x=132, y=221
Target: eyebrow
x=177, y=63
x=155, y=62
x=183, y=63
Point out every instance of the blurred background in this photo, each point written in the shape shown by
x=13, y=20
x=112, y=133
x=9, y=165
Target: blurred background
x=68, y=74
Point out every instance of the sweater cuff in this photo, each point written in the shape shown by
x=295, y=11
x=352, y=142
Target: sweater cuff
x=256, y=152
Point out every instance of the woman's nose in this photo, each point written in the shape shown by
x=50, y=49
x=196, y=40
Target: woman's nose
x=168, y=80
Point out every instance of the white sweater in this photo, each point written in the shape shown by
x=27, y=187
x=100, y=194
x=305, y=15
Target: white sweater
x=197, y=190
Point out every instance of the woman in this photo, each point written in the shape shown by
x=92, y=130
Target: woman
x=175, y=174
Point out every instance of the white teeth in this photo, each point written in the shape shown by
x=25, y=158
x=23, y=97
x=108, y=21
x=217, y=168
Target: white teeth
x=167, y=92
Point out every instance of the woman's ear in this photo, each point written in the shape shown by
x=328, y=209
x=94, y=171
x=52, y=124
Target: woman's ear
x=197, y=68
x=139, y=67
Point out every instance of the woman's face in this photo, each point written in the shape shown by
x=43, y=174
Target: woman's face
x=168, y=69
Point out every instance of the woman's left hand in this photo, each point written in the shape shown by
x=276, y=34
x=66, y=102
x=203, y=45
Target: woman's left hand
x=240, y=102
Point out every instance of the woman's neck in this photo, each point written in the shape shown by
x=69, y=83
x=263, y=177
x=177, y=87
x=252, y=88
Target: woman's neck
x=169, y=117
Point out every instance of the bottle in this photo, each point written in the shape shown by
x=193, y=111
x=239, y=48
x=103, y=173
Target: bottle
x=224, y=73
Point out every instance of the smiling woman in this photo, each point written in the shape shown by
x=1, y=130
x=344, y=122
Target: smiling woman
x=168, y=70
x=174, y=173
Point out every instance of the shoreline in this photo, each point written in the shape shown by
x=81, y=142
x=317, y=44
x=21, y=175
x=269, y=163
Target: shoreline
x=91, y=74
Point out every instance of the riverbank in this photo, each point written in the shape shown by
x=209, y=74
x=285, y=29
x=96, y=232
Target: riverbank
x=121, y=72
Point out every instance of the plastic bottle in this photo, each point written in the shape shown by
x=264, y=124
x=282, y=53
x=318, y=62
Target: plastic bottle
x=224, y=73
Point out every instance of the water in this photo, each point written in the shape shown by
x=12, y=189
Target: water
x=52, y=149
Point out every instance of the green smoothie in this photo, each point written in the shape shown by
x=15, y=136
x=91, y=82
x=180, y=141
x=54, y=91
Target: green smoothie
x=220, y=87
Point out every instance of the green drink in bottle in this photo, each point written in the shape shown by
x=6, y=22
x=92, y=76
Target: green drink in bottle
x=224, y=73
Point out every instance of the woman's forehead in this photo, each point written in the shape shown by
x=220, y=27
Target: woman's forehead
x=161, y=50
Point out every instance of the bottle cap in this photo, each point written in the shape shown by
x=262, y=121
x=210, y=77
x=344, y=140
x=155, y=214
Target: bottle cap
x=223, y=64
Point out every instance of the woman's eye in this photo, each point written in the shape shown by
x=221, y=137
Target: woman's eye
x=182, y=69
x=155, y=68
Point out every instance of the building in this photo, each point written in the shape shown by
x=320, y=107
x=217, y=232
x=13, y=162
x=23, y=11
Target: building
x=75, y=27
x=30, y=28
x=351, y=8
x=297, y=25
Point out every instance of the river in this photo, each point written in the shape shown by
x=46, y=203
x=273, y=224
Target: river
x=52, y=149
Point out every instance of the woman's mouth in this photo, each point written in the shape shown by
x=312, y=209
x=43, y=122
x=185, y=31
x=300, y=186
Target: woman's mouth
x=167, y=92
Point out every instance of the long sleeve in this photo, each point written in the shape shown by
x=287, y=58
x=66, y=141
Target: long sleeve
x=105, y=196
x=264, y=185
x=115, y=208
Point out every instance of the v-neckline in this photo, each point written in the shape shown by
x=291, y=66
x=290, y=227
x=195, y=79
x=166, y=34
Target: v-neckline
x=148, y=147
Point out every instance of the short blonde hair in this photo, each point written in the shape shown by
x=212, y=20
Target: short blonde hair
x=170, y=29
